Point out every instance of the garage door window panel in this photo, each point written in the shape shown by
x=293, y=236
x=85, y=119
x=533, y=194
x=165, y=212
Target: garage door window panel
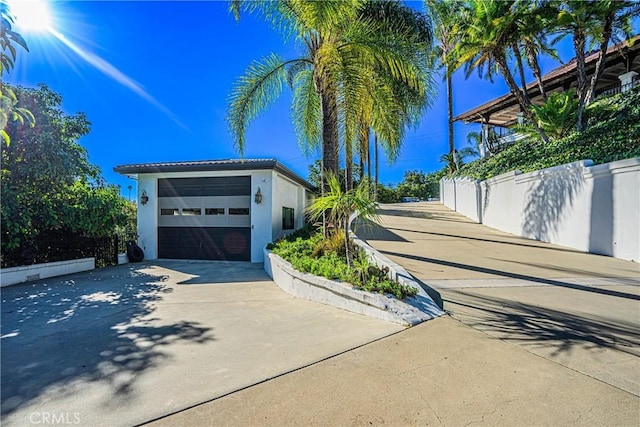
x=238, y=211
x=169, y=212
x=214, y=211
x=191, y=211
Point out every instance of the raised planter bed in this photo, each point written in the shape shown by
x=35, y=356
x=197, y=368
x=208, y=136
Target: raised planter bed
x=409, y=312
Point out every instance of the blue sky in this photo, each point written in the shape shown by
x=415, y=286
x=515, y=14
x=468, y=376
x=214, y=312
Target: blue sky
x=185, y=57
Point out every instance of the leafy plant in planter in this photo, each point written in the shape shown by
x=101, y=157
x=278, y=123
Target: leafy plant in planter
x=338, y=205
x=335, y=256
x=304, y=255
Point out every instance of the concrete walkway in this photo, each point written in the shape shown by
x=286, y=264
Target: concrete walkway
x=123, y=345
x=553, y=341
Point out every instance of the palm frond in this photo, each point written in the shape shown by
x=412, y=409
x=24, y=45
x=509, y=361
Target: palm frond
x=260, y=86
x=307, y=112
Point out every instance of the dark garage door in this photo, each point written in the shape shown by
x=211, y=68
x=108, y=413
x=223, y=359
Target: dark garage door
x=205, y=218
x=216, y=243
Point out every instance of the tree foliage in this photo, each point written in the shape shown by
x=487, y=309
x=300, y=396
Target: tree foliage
x=48, y=182
x=9, y=41
x=592, y=23
x=337, y=205
x=421, y=185
x=557, y=116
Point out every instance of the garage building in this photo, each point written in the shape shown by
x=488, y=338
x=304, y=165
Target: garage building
x=216, y=209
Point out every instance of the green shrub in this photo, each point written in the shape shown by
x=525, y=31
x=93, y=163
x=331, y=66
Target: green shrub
x=313, y=254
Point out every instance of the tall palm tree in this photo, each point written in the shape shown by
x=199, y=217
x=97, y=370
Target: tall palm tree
x=487, y=32
x=535, y=24
x=590, y=23
x=376, y=99
x=444, y=14
x=342, y=46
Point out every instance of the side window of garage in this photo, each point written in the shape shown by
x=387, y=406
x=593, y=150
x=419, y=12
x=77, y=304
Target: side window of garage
x=288, y=218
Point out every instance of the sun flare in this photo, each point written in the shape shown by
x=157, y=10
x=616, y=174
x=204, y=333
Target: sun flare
x=31, y=15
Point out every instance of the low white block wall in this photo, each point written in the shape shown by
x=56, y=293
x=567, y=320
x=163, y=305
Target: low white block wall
x=468, y=198
x=590, y=208
x=27, y=273
x=346, y=297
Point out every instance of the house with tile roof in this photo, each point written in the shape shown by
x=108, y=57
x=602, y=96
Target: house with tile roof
x=498, y=116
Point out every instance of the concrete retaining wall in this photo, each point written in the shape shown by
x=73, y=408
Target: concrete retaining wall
x=27, y=273
x=345, y=296
x=590, y=208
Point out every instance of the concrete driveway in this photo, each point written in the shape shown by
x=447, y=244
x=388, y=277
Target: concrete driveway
x=577, y=309
x=128, y=344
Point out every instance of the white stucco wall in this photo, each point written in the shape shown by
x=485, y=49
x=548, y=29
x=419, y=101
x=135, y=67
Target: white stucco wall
x=467, y=198
x=148, y=216
x=26, y=273
x=261, y=214
x=590, y=208
x=287, y=194
x=448, y=193
x=500, y=202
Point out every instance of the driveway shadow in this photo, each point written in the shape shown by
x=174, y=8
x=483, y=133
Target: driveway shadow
x=93, y=327
x=372, y=231
x=553, y=282
x=540, y=326
x=422, y=214
x=212, y=272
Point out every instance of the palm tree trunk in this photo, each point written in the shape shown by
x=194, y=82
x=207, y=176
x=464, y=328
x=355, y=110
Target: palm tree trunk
x=532, y=59
x=515, y=90
x=579, y=42
x=523, y=80
x=329, y=132
x=375, y=187
x=368, y=158
x=348, y=168
x=602, y=56
x=364, y=148
x=450, y=110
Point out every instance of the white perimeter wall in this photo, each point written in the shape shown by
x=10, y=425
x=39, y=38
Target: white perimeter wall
x=266, y=218
x=27, y=273
x=590, y=208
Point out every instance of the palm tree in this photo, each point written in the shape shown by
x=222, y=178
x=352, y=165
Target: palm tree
x=340, y=205
x=487, y=31
x=376, y=99
x=589, y=23
x=535, y=23
x=444, y=14
x=454, y=161
x=474, y=139
x=343, y=45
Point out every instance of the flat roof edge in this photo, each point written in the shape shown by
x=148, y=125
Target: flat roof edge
x=212, y=166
